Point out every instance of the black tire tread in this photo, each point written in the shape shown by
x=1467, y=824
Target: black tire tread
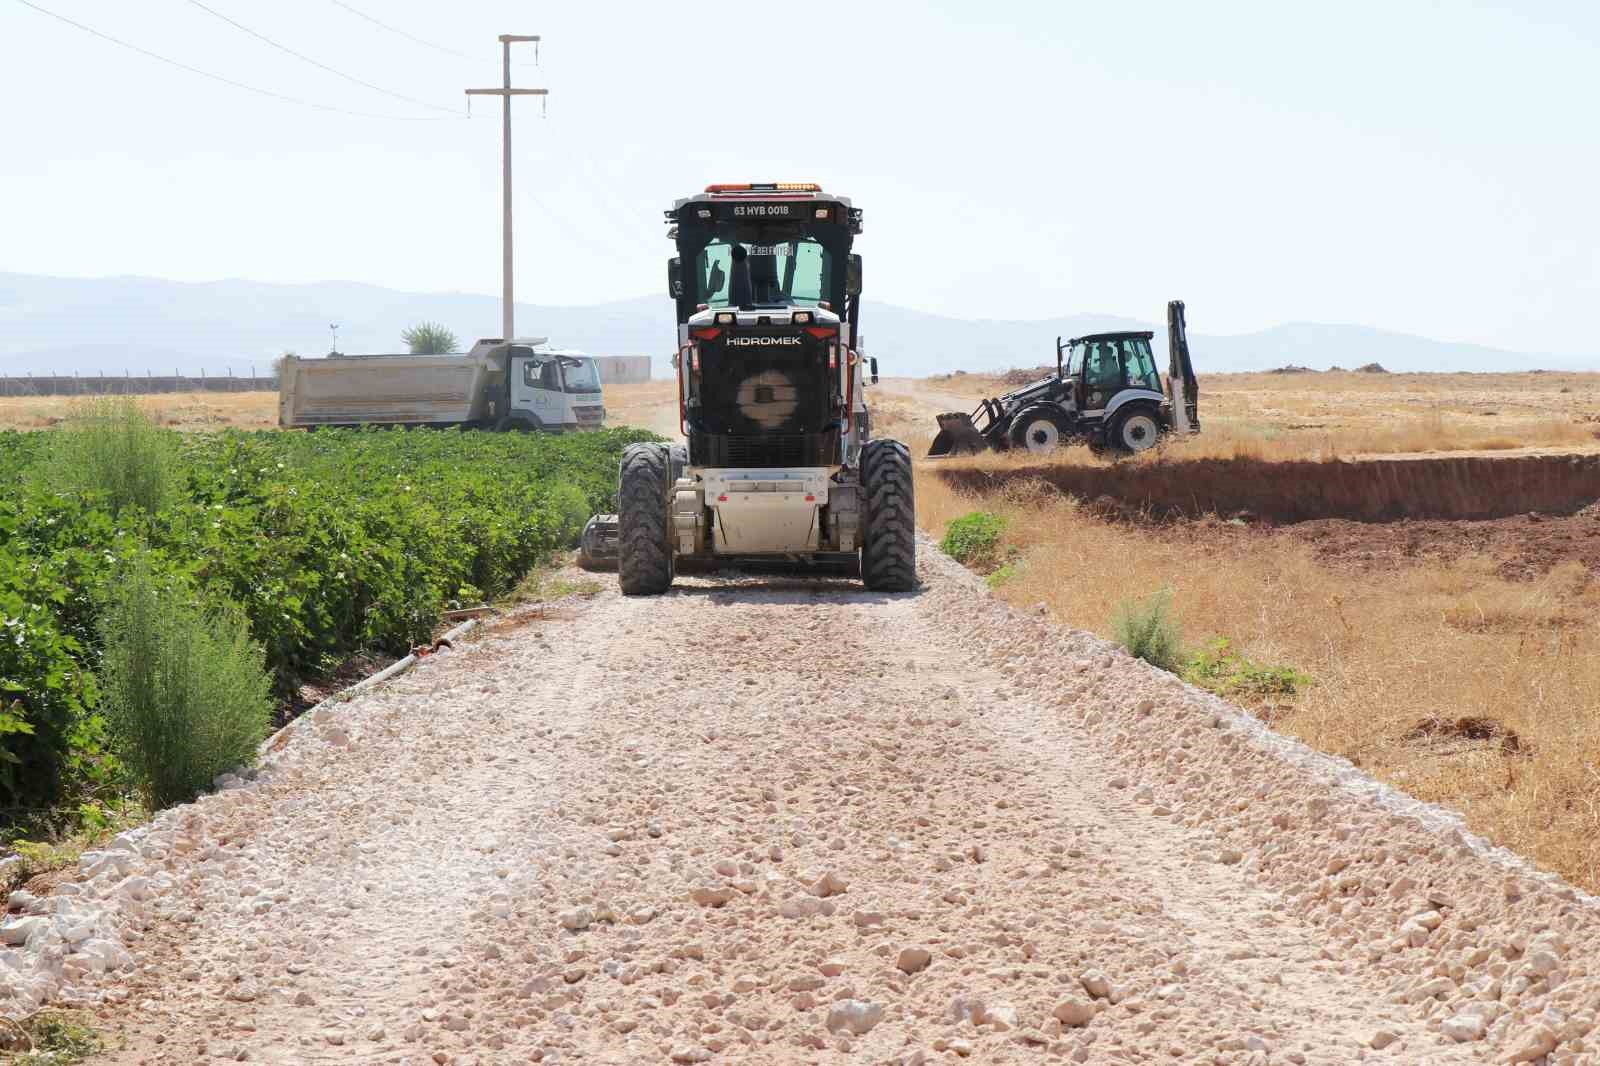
x=889, y=543
x=1114, y=431
x=1023, y=418
x=644, y=557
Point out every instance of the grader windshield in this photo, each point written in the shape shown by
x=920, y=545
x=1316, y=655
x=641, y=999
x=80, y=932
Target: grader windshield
x=784, y=272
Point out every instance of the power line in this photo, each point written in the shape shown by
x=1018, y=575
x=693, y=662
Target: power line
x=218, y=77
x=319, y=65
x=412, y=37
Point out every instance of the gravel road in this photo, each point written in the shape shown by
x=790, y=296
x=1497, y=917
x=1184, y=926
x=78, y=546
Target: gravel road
x=774, y=820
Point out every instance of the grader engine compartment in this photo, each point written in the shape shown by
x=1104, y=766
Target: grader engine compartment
x=763, y=395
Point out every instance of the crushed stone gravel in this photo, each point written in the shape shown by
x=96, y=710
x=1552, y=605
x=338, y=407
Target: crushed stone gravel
x=783, y=820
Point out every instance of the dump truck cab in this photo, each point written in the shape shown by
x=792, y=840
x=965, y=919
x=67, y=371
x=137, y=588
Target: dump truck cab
x=771, y=390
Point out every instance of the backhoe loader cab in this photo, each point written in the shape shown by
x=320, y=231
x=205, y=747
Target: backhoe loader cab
x=771, y=388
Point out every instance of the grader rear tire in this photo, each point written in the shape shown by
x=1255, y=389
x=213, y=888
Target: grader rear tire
x=889, y=544
x=644, y=556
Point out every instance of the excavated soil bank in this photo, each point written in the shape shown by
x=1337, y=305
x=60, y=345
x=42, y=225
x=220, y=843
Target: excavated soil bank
x=1522, y=547
x=1372, y=490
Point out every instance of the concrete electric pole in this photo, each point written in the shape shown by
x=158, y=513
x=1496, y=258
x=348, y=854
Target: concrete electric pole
x=506, y=92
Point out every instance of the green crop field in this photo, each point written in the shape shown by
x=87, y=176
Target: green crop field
x=327, y=543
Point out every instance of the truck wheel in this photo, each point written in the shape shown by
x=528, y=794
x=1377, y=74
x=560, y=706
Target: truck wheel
x=513, y=424
x=1134, y=429
x=644, y=558
x=889, y=546
x=1041, y=430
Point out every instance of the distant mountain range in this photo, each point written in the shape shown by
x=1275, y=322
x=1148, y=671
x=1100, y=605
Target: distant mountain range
x=148, y=325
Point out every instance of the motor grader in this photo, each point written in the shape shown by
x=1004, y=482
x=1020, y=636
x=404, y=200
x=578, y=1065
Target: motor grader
x=779, y=462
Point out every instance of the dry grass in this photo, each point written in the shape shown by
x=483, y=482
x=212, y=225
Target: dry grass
x=1340, y=415
x=179, y=410
x=651, y=405
x=1459, y=687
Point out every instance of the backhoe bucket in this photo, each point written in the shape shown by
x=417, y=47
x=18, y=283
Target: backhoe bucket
x=957, y=436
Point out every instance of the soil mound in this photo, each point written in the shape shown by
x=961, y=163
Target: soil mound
x=1370, y=490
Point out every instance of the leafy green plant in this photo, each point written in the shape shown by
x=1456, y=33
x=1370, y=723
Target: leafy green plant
x=110, y=447
x=430, y=338
x=330, y=543
x=45, y=693
x=973, y=540
x=1147, y=629
x=53, y=1038
x=1219, y=668
x=1002, y=574
x=186, y=694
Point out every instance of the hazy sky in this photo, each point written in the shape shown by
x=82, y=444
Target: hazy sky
x=1432, y=167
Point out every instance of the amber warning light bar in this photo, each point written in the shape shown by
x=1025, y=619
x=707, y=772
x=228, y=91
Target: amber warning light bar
x=771, y=186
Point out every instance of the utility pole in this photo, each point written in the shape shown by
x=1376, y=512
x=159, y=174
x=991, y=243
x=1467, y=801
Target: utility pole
x=506, y=92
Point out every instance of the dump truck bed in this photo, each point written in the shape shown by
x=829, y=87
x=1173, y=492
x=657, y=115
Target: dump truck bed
x=359, y=390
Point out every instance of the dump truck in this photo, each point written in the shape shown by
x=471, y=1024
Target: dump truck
x=778, y=462
x=1105, y=393
x=525, y=385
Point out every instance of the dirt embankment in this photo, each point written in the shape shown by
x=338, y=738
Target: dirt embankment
x=1368, y=490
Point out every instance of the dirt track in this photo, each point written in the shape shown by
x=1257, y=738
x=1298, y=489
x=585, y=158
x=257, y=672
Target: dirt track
x=584, y=839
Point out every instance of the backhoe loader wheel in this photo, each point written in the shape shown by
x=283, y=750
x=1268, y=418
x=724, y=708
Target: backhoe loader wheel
x=644, y=557
x=1040, y=430
x=1134, y=429
x=889, y=547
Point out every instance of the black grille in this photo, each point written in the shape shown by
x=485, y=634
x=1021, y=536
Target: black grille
x=780, y=449
x=765, y=450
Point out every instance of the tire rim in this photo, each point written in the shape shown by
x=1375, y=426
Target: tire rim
x=1042, y=436
x=1139, y=432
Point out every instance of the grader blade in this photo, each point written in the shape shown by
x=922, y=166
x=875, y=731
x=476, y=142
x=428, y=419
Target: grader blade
x=598, y=548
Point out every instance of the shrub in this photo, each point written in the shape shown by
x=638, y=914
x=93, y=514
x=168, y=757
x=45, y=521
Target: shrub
x=1220, y=669
x=1001, y=575
x=56, y=1038
x=974, y=539
x=430, y=338
x=110, y=447
x=186, y=695
x=1149, y=632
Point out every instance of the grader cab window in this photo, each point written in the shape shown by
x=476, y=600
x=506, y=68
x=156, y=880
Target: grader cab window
x=782, y=273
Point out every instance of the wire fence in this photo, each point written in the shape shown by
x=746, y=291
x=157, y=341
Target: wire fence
x=131, y=384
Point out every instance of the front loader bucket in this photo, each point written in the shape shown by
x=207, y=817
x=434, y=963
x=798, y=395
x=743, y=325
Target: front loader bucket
x=598, y=548
x=957, y=436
